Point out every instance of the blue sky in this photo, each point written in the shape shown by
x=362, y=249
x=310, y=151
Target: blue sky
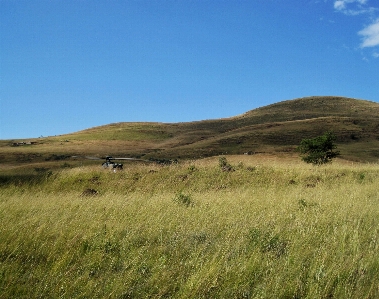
x=70, y=65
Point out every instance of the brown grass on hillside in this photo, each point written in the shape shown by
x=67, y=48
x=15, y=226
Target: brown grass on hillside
x=277, y=129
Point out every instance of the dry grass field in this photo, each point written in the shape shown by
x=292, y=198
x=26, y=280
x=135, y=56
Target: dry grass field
x=270, y=227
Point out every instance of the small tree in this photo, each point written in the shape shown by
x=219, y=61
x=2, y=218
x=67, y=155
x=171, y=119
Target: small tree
x=319, y=150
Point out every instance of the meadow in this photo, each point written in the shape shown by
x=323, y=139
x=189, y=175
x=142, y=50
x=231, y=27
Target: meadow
x=262, y=227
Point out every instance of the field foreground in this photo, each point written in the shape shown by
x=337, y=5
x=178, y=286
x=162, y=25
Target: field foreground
x=261, y=228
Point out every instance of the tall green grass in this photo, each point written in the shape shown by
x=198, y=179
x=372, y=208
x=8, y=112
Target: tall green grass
x=264, y=230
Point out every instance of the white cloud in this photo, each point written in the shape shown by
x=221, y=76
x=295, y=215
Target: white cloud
x=370, y=35
x=339, y=5
x=359, y=7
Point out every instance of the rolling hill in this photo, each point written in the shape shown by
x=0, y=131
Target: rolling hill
x=277, y=128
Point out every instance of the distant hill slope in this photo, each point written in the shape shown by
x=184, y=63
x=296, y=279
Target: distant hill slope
x=275, y=128
x=312, y=107
x=281, y=127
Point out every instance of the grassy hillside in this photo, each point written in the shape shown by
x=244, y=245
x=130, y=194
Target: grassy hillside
x=275, y=128
x=270, y=228
x=265, y=226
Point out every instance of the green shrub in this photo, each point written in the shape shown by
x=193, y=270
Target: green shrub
x=319, y=150
x=224, y=164
x=192, y=168
x=184, y=199
x=268, y=242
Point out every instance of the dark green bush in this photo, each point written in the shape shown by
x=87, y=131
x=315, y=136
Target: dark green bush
x=319, y=150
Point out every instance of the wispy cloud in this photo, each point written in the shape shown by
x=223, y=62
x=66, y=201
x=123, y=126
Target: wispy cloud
x=342, y=4
x=353, y=7
x=370, y=35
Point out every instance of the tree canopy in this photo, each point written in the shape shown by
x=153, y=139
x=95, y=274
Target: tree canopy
x=319, y=150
